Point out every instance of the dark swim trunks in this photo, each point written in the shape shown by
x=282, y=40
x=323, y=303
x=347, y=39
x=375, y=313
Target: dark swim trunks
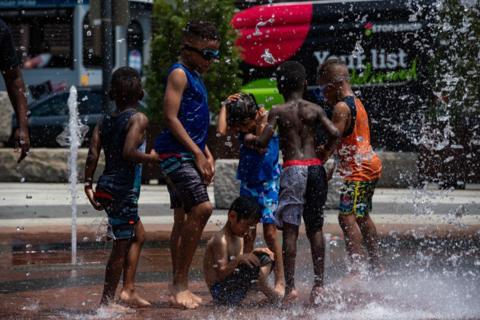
x=122, y=212
x=303, y=191
x=186, y=187
x=233, y=289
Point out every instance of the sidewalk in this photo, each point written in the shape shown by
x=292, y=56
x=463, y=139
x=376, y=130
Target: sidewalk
x=46, y=206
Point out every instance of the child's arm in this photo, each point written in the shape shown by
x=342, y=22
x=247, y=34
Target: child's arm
x=220, y=255
x=176, y=84
x=222, y=127
x=91, y=165
x=261, y=121
x=334, y=135
x=137, y=125
x=261, y=142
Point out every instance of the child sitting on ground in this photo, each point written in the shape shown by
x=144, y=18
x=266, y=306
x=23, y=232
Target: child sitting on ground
x=258, y=172
x=230, y=272
x=121, y=135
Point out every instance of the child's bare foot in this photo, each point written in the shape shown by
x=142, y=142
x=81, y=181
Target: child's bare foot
x=132, y=299
x=280, y=289
x=183, y=298
x=290, y=297
x=317, y=295
x=116, y=308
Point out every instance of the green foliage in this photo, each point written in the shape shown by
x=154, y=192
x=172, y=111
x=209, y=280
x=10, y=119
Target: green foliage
x=169, y=17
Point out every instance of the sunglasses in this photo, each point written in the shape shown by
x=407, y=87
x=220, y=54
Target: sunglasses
x=207, y=54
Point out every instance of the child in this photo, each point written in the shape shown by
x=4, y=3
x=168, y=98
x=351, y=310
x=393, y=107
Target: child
x=303, y=184
x=229, y=271
x=121, y=135
x=359, y=166
x=185, y=157
x=258, y=172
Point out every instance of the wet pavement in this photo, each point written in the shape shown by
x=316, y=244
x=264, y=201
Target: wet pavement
x=432, y=273
x=430, y=250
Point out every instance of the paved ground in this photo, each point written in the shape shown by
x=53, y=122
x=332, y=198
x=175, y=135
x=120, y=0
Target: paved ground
x=430, y=242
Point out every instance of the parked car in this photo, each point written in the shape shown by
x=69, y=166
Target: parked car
x=49, y=115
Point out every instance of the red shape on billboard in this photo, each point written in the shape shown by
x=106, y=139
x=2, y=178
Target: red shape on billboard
x=271, y=34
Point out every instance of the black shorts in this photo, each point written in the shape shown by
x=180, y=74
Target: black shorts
x=186, y=187
x=233, y=289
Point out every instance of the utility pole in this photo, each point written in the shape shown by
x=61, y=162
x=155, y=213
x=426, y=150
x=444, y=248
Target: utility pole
x=107, y=51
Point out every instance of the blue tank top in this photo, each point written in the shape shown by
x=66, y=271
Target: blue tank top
x=193, y=114
x=119, y=176
x=255, y=167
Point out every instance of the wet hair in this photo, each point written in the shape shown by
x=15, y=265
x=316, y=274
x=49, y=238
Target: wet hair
x=241, y=110
x=246, y=208
x=201, y=30
x=126, y=85
x=333, y=70
x=291, y=76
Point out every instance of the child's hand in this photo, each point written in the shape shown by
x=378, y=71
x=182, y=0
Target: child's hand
x=204, y=167
x=91, y=197
x=154, y=155
x=267, y=251
x=249, y=259
x=211, y=161
x=261, y=117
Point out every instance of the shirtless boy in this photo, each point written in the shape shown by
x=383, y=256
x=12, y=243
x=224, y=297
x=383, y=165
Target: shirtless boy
x=230, y=272
x=303, y=184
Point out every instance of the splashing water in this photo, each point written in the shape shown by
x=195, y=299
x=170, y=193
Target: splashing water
x=268, y=57
x=262, y=24
x=73, y=136
x=358, y=50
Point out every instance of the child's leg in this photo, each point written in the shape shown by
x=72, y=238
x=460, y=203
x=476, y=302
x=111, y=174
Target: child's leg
x=270, y=235
x=178, y=221
x=290, y=236
x=190, y=235
x=369, y=233
x=114, y=269
x=249, y=240
x=353, y=239
x=128, y=294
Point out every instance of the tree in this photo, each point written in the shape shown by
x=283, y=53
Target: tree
x=169, y=18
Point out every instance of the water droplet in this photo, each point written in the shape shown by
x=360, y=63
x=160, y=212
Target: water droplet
x=268, y=57
x=22, y=179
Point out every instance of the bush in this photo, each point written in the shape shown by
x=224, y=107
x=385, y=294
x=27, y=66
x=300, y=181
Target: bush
x=169, y=17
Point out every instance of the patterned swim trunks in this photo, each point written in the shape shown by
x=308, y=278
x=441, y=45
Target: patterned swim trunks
x=266, y=195
x=356, y=197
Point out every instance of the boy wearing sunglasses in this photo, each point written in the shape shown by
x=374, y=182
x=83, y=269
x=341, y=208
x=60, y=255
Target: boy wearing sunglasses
x=358, y=165
x=185, y=157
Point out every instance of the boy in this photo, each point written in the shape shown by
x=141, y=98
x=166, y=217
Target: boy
x=258, y=172
x=185, y=157
x=122, y=137
x=229, y=271
x=303, y=184
x=359, y=166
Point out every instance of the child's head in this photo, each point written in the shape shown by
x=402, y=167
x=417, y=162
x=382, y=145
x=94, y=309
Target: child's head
x=291, y=77
x=200, y=45
x=332, y=76
x=126, y=87
x=241, y=113
x=243, y=214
